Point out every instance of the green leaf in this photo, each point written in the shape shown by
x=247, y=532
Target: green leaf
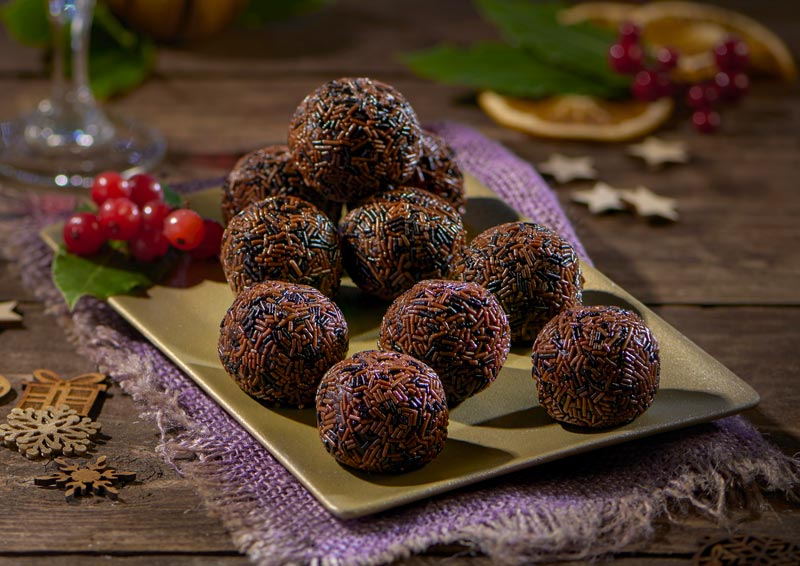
x=581, y=48
x=104, y=275
x=502, y=68
x=260, y=12
x=26, y=21
x=172, y=198
x=119, y=60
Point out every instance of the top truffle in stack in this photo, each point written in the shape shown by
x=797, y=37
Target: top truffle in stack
x=352, y=137
x=269, y=172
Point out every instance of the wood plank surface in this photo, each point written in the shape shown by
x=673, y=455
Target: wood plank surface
x=725, y=275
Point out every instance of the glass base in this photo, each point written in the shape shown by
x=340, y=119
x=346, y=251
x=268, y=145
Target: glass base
x=132, y=149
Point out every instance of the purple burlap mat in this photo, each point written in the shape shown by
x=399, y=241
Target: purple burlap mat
x=584, y=506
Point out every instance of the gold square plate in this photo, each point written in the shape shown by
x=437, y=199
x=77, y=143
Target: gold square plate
x=496, y=432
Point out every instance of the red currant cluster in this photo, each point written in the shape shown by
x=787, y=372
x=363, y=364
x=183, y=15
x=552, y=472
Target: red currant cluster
x=133, y=210
x=730, y=83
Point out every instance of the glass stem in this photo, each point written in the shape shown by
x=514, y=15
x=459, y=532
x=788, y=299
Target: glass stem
x=70, y=119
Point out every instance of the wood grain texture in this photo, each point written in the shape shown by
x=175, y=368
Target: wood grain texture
x=725, y=275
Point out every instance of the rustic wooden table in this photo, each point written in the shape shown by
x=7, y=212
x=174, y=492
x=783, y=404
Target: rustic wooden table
x=726, y=274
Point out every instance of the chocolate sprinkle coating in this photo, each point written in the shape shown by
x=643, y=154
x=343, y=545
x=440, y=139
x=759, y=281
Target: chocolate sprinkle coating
x=534, y=273
x=268, y=172
x=596, y=367
x=281, y=238
x=382, y=412
x=458, y=329
x=397, y=238
x=438, y=172
x=352, y=137
x=278, y=339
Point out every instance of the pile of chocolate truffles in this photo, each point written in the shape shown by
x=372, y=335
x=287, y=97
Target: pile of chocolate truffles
x=456, y=308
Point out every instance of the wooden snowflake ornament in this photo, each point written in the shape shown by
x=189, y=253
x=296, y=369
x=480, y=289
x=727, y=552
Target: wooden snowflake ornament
x=47, y=432
x=647, y=203
x=95, y=478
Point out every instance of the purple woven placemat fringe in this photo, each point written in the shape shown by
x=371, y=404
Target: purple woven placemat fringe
x=584, y=506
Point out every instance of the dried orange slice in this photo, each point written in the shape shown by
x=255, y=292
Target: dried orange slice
x=693, y=29
x=577, y=117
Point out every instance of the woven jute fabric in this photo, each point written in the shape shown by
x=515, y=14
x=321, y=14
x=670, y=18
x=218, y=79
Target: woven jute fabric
x=580, y=507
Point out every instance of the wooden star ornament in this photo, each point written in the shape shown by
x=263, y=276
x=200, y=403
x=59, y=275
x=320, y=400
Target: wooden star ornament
x=647, y=203
x=565, y=169
x=96, y=478
x=7, y=314
x=600, y=198
x=656, y=152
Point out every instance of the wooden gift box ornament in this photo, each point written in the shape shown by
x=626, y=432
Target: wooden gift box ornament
x=51, y=390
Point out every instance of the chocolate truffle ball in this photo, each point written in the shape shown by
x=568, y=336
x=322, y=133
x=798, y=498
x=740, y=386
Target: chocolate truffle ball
x=278, y=339
x=596, y=367
x=398, y=238
x=352, y=137
x=437, y=172
x=534, y=273
x=458, y=329
x=382, y=412
x=269, y=172
x=282, y=238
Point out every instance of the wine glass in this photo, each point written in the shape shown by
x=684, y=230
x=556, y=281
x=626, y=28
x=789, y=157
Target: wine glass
x=68, y=138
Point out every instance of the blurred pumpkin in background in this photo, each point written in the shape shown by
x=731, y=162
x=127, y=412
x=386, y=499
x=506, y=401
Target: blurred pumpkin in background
x=177, y=20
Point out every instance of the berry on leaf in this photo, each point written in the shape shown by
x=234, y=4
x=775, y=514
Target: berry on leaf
x=120, y=218
x=184, y=229
x=109, y=184
x=212, y=240
x=154, y=212
x=705, y=120
x=629, y=32
x=666, y=58
x=145, y=188
x=732, y=55
x=649, y=85
x=83, y=234
x=148, y=245
x=731, y=86
x=625, y=58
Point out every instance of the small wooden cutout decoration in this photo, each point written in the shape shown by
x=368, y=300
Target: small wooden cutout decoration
x=7, y=314
x=48, y=432
x=656, y=152
x=600, y=198
x=647, y=203
x=564, y=169
x=5, y=386
x=749, y=550
x=95, y=478
x=50, y=390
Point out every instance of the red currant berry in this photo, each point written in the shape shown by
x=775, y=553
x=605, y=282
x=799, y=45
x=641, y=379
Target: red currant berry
x=629, y=32
x=184, y=229
x=705, y=120
x=148, y=245
x=120, y=218
x=83, y=234
x=731, y=86
x=625, y=58
x=154, y=213
x=108, y=185
x=145, y=188
x=702, y=95
x=666, y=58
x=212, y=240
x=648, y=86
x=732, y=55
